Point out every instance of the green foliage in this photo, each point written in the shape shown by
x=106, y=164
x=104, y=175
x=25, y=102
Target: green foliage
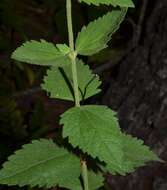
x=121, y=3
x=42, y=53
x=97, y=34
x=93, y=129
x=42, y=163
x=88, y=124
x=95, y=180
x=59, y=82
x=136, y=154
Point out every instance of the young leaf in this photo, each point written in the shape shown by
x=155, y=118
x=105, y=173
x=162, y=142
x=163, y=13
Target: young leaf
x=42, y=53
x=58, y=82
x=42, y=163
x=121, y=3
x=95, y=130
x=95, y=180
x=97, y=34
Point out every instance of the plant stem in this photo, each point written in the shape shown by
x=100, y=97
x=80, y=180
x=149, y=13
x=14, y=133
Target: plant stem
x=85, y=175
x=69, y=22
x=75, y=81
x=73, y=56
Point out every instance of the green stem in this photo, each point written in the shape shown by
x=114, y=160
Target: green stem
x=85, y=175
x=73, y=56
x=75, y=81
x=69, y=22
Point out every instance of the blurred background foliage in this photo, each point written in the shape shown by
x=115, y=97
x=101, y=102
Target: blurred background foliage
x=26, y=112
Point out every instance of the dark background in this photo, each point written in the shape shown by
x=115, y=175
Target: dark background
x=133, y=70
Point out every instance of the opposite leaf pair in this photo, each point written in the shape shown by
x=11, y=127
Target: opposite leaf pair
x=90, y=40
x=95, y=130
x=58, y=82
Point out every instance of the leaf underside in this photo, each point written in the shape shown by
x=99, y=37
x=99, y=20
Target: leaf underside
x=58, y=82
x=121, y=3
x=42, y=53
x=97, y=34
x=42, y=164
x=95, y=130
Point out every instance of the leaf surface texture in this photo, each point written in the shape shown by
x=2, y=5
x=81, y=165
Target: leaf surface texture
x=59, y=82
x=95, y=130
x=97, y=34
x=42, y=163
x=42, y=53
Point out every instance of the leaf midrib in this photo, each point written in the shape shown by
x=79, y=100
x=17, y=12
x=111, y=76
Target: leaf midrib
x=33, y=165
x=96, y=131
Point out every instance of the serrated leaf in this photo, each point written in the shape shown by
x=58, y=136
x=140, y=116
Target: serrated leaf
x=42, y=53
x=58, y=82
x=95, y=130
x=97, y=34
x=95, y=180
x=42, y=163
x=121, y=3
x=136, y=154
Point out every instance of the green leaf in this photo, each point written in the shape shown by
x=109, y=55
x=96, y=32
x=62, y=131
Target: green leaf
x=42, y=53
x=58, y=82
x=63, y=48
x=95, y=180
x=136, y=154
x=121, y=3
x=95, y=130
x=42, y=163
x=97, y=34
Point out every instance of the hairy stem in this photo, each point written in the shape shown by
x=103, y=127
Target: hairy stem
x=73, y=56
